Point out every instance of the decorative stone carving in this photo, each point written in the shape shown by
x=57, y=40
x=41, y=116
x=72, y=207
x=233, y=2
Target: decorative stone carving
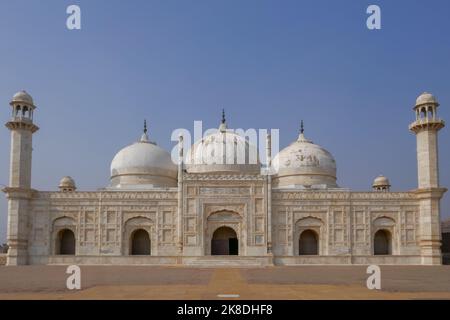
x=224, y=190
x=222, y=177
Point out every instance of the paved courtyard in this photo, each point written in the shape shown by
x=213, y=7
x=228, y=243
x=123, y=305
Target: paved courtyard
x=303, y=282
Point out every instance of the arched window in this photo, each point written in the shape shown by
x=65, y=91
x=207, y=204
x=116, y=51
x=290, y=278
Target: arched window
x=308, y=243
x=66, y=242
x=140, y=243
x=424, y=112
x=382, y=243
x=224, y=242
x=430, y=113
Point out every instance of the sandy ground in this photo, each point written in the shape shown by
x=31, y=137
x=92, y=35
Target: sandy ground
x=303, y=282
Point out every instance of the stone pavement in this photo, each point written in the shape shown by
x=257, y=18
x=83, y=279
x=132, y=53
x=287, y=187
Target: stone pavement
x=302, y=282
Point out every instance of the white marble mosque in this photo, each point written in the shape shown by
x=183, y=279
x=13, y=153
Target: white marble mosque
x=215, y=213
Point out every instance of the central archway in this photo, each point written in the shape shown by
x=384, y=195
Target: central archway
x=140, y=243
x=224, y=242
x=308, y=243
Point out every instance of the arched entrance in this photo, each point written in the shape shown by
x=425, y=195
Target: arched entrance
x=140, y=243
x=66, y=242
x=224, y=242
x=308, y=243
x=382, y=243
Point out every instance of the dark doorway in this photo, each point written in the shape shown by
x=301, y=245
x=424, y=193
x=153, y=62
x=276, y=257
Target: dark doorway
x=308, y=243
x=445, y=248
x=66, y=242
x=224, y=242
x=140, y=243
x=382, y=243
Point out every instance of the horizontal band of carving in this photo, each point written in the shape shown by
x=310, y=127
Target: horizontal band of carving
x=318, y=195
x=99, y=195
x=222, y=177
x=224, y=190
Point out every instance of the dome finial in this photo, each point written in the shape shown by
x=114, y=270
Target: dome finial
x=223, y=116
x=223, y=124
x=144, y=137
x=301, y=136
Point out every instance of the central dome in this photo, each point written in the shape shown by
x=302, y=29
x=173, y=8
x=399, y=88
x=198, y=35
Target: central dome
x=143, y=164
x=223, y=152
x=304, y=164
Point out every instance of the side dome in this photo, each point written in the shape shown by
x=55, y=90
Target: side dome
x=143, y=164
x=304, y=164
x=223, y=152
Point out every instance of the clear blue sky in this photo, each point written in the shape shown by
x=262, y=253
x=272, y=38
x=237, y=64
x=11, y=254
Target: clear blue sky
x=269, y=63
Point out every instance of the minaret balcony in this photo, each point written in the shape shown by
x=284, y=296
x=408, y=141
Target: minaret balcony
x=22, y=123
x=427, y=124
x=22, y=119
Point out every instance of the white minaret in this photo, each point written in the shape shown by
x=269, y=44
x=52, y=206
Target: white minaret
x=19, y=190
x=429, y=193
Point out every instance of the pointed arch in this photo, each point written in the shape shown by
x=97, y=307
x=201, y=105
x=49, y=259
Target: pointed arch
x=139, y=236
x=66, y=243
x=224, y=241
x=382, y=242
x=64, y=236
x=308, y=236
x=140, y=242
x=308, y=243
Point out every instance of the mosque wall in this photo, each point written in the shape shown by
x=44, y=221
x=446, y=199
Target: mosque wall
x=102, y=222
x=345, y=224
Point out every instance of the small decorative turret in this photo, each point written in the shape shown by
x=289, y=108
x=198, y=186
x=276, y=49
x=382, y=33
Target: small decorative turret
x=381, y=183
x=426, y=114
x=22, y=106
x=67, y=184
